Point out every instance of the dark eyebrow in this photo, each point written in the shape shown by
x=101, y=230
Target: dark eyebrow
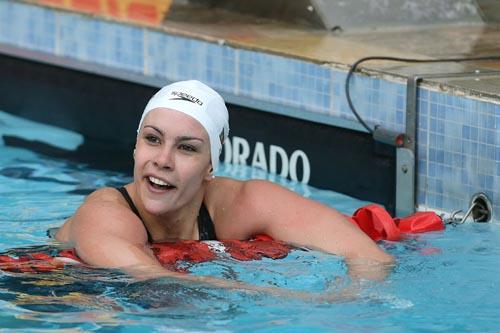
x=155, y=128
x=188, y=138
x=179, y=138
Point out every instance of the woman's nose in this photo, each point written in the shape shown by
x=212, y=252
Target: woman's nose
x=165, y=158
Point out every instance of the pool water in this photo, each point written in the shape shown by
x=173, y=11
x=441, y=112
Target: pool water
x=442, y=282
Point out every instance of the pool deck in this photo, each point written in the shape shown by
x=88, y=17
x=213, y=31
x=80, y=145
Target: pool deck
x=341, y=49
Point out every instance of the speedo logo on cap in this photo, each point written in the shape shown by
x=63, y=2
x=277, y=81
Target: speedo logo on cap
x=186, y=97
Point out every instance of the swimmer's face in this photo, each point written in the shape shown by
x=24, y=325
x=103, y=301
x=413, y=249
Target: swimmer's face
x=172, y=160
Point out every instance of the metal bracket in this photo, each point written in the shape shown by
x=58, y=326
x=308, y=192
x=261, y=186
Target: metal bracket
x=405, y=180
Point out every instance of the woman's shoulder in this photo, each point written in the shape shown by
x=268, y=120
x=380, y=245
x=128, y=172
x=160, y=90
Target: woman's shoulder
x=222, y=190
x=225, y=189
x=106, y=211
x=104, y=194
x=106, y=201
x=233, y=205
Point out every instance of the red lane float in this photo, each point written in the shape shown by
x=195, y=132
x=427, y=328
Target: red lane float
x=374, y=220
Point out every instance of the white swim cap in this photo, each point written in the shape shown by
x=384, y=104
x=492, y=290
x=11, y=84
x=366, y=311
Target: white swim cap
x=199, y=101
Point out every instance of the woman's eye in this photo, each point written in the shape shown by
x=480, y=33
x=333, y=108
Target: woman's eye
x=152, y=139
x=187, y=148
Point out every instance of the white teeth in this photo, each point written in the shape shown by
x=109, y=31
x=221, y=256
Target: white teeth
x=158, y=181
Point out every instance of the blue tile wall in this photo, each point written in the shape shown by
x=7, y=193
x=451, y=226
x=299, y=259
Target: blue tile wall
x=458, y=151
x=107, y=43
x=177, y=58
x=27, y=26
x=285, y=81
x=458, y=137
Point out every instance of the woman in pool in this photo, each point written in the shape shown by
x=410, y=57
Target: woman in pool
x=174, y=195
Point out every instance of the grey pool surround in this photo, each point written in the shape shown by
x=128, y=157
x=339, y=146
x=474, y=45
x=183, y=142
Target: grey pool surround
x=458, y=147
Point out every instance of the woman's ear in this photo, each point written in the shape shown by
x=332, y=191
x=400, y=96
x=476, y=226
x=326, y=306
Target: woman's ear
x=210, y=174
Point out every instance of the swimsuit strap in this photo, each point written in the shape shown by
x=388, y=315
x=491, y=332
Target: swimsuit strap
x=206, y=229
x=134, y=209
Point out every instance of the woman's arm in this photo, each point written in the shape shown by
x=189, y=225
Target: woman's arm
x=108, y=236
x=265, y=207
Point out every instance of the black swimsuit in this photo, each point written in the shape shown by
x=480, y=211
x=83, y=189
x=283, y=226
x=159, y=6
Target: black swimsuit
x=206, y=227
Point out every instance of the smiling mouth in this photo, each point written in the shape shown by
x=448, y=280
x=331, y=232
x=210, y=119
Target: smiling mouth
x=160, y=184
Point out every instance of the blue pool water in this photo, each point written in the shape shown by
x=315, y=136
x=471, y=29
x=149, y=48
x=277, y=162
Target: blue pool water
x=442, y=282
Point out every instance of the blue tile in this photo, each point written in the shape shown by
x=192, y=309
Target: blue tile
x=482, y=151
x=483, y=136
x=473, y=148
x=440, y=126
x=432, y=166
x=439, y=170
x=466, y=132
x=433, y=126
x=464, y=148
x=422, y=167
x=471, y=119
x=458, y=160
x=450, y=100
x=482, y=181
x=422, y=122
x=461, y=102
x=482, y=106
x=423, y=108
x=440, y=141
x=474, y=133
x=490, y=107
x=448, y=157
x=470, y=105
x=453, y=130
x=490, y=137
x=401, y=89
x=441, y=111
x=488, y=182
x=326, y=101
x=432, y=155
x=336, y=89
x=434, y=110
x=423, y=94
x=439, y=156
x=421, y=197
x=439, y=186
x=400, y=117
x=431, y=200
x=434, y=97
x=439, y=201
x=400, y=102
x=374, y=97
x=441, y=98
x=465, y=177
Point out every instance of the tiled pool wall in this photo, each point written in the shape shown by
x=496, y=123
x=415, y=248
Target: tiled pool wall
x=458, y=136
